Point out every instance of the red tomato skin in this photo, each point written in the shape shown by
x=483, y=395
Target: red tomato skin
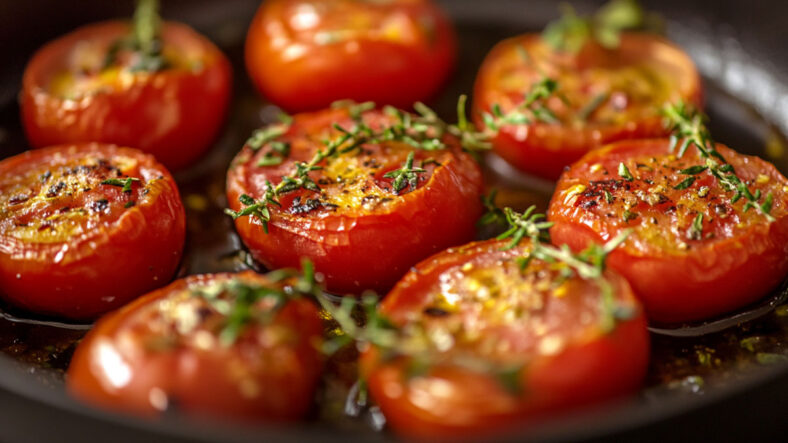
x=173, y=114
x=101, y=271
x=370, y=70
x=545, y=150
x=370, y=251
x=610, y=366
x=202, y=382
x=725, y=277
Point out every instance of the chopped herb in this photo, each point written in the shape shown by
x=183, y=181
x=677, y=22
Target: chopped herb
x=694, y=170
x=129, y=204
x=270, y=160
x=124, y=183
x=608, y=196
x=684, y=184
x=624, y=173
x=696, y=231
x=629, y=215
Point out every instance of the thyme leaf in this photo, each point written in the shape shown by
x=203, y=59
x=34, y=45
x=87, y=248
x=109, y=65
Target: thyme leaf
x=124, y=183
x=624, y=173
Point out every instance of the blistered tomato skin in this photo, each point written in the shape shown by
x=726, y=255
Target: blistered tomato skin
x=357, y=230
x=75, y=248
x=680, y=272
x=305, y=54
x=163, y=353
x=512, y=346
x=174, y=114
x=603, y=96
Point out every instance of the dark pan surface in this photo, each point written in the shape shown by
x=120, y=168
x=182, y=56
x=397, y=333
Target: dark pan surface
x=709, y=386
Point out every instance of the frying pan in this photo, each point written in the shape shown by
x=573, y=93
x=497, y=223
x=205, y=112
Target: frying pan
x=737, y=45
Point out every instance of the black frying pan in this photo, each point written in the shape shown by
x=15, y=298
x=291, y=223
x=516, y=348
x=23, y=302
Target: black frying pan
x=737, y=45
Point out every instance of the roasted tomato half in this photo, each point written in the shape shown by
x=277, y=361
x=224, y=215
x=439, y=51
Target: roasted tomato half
x=360, y=229
x=86, y=228
x=85, y=87
x=305, y=54
x=236, y=346
x=602, y=95
x=487, y=345
x=693, y=252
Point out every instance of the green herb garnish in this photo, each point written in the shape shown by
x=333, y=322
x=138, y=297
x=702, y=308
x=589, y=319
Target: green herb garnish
x=689, y=128
x=493, y=214
x=533, y=108
x=124, y=183
x=257, y=208
x=237, y=300
x=144, y=40
x=624, y=173
x=571, y=32
x=407, y=175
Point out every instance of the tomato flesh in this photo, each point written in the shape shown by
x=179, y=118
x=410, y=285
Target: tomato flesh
x=69, y=96
x=679, y=272
x=304, y=54
x=359, y=232
x=71, y=246
x=505, y=346
x=603, y=96
x=162, y=352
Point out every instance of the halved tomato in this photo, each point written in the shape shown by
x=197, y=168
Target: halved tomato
x=239, y=346
x=361, y=229
x=693, y=252
x=86, y=228
x=72, y=92
x=603, y=95
x=305, y=54
x=488, y=345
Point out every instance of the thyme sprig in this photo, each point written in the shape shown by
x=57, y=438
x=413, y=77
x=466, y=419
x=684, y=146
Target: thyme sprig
x=528, y=224
x=405, y=176
x=493, y=215
x=236, y=299
x=144, y=39
x=689, y=128
x=257, y=208
x=588, y=264
x=571, y=31
x=533, y=108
